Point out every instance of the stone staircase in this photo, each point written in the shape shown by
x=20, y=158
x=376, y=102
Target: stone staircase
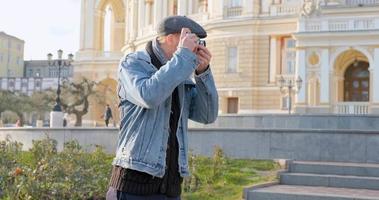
x=321, y=181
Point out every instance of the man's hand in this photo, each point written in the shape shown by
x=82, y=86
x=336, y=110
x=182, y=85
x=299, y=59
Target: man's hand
x=188, y=40
x=204, y=58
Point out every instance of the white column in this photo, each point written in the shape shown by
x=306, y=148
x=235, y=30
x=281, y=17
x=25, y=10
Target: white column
x=83, y=10
x=141, y=14
x=247, y=7
x=375, y=77
x=190, y=7
x=182, y=7
x=87, y=26
x=273, y=58
x=158, y=11
x=148, y=12
x=133, y=20
x=325, y=77
x=300, y=71
x=216, y=8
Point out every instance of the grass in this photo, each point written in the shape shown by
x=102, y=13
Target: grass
x=232, y=176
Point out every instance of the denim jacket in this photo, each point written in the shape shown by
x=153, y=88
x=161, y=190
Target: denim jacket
x=145, y=95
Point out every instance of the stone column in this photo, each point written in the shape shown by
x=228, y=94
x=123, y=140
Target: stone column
x=182, y=7
x=300, y=72
x=87, y=25
x=141, y=15
x=158, y=11
x=325, y=78
x=216, y=9
x=273, y=59
x=148, y=11
x=133, y=19
x=248, y=6
x=374, y=68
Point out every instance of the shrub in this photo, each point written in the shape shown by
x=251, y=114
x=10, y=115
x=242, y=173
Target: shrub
x=43, y=173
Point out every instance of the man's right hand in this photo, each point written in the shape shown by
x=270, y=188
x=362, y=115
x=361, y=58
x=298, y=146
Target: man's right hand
x=188, y=40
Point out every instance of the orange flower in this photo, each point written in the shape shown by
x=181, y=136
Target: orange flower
x=17, y=171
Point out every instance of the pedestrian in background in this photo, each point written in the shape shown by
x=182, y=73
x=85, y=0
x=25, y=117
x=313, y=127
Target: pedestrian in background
x=107, y=115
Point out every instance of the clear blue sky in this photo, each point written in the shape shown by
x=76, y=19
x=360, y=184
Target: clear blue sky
x=44, y=25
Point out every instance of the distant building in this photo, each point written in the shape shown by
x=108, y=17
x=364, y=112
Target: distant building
x=40, y=68
x=11, y=56
x=38, y=76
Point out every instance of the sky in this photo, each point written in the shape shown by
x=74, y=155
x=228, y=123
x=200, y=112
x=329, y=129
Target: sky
x=44, y=25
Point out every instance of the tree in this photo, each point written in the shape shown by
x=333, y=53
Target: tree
x=16, y=102
x=75, y=98
x=41, y=102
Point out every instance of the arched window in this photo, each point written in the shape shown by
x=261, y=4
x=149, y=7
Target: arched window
x=357, y=82
x=108, y=18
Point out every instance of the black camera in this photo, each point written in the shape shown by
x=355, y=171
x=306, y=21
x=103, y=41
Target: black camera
x=202, y=42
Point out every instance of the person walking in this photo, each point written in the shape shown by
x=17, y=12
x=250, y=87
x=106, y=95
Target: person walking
x=107, y=115
x=157, y=97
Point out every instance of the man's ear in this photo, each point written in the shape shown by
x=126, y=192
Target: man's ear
x=170, y=38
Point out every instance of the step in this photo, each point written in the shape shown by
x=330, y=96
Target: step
x=338, y=168
x=358, y=182
x=291, y=192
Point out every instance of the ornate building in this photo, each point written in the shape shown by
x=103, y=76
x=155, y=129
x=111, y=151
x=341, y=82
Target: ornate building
x=332, y=46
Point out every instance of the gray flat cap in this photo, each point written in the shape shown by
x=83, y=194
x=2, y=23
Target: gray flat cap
x=174, y=24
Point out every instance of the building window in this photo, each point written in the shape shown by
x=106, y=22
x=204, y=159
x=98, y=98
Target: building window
x=1, y=57
x=289, y=56
x=357, y=82
x=232, y=60
x=232, y=105
x=38, y=73
x=30, y=73
x=18, y=61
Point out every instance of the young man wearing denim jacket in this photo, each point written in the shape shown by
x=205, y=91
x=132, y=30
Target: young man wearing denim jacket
x=158, y=96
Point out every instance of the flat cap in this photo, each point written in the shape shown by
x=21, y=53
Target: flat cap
x=174, y=24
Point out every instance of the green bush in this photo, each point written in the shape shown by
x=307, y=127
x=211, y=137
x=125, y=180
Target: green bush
x=43, y=173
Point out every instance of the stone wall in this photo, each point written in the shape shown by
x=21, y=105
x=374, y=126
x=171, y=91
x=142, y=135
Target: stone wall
x=300, y=144
x=295, y=121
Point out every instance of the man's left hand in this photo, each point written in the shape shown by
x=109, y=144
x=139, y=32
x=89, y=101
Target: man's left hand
x=204, y=58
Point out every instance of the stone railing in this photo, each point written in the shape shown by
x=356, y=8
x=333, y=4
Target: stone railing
x=199, y=17
x=230, y=12
x=336, y=25
x=284, y=9
x=352, y=108
x=350, y=3
x=361, y=2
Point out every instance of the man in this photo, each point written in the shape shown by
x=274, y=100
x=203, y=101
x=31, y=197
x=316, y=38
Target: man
x=157, y=97
x=107, y=115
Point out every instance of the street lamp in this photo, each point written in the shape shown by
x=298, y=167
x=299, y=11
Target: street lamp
x=289, y=86
x=59, y=63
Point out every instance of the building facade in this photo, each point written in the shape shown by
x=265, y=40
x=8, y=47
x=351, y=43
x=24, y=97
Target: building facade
x=11, y=56
x=41, y=68
x=326, y=50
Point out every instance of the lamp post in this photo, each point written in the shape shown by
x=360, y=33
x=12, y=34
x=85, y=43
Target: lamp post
x=290, y=86
x=56, y=116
